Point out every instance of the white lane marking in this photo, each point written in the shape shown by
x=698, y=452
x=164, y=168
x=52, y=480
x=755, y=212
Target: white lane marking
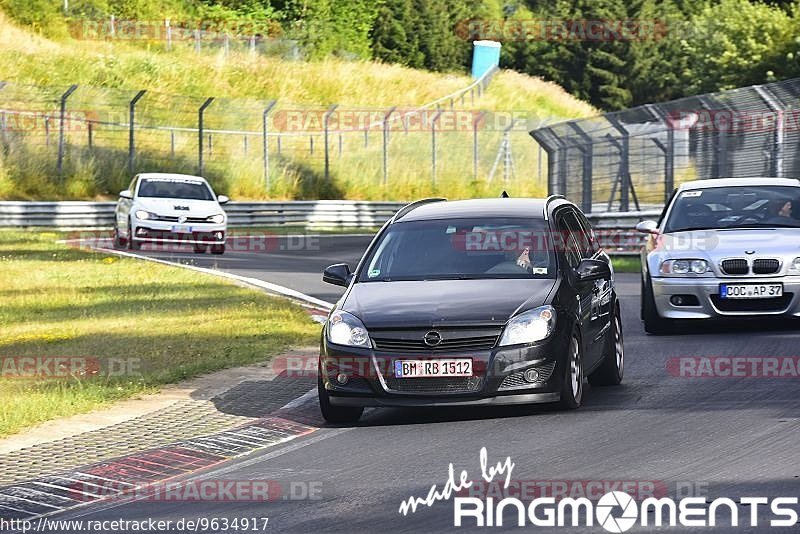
x=261, y=284
x=66, y=488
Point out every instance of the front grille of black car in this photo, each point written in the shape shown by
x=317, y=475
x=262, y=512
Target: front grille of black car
x=735, y=266
x=517, y=380
x=777, y=304
x=766, y=266
x=468, y=384
x=453, y=339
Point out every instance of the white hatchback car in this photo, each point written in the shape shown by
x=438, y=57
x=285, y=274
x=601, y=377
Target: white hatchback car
x=170, y=208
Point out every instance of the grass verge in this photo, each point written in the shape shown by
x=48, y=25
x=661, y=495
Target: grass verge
x=626, y=264
x=125, y=327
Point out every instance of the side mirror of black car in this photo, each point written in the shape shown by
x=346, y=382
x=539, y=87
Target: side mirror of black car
x=589, y=269
x=338, y=275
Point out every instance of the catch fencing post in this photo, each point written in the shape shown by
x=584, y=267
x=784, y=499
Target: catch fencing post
x=386, y=145
x=264, y=140
x=626, y=186
x=62, y=120
x=776, y=165
x=433, y=146
x=200, y=113
x=131, y=124
x=325, y=119
x=89, y=131
x=668, y=149
x=587, y=151
x=475, y=124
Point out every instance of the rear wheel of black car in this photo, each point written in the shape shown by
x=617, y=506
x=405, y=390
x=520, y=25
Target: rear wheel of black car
x=572, y=385
x=336, y=414
x=611, y=370
x=653, y=323
x=200, y=249
x=218, y=249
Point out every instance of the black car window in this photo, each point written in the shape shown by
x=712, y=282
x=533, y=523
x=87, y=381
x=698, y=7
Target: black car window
x=474, y=248
x=590, y=244
x=567, y=240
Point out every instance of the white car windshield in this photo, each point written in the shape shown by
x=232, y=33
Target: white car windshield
x=735, y=207
x=185, y=189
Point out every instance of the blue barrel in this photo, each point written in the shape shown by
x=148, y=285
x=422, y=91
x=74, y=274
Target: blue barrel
x=485, y=56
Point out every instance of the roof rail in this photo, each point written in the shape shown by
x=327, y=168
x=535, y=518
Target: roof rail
x=414, y=205
x=549, y=200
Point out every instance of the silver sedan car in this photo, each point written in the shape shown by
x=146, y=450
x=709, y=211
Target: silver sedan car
x=723, y=248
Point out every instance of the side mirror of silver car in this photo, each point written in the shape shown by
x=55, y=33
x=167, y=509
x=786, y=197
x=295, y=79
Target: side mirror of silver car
x=647, y=227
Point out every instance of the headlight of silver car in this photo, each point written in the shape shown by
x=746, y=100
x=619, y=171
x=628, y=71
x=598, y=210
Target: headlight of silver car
x=684, y=266
x=143, y=215
x=216, y=219
x=346, y=329
x=530, y=326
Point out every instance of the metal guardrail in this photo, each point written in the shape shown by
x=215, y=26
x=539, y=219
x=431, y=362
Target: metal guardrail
x=614, y=230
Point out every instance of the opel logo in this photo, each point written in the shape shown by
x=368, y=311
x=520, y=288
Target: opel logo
x=181, y=219
x=432, y=338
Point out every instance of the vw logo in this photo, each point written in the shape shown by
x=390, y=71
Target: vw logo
x=432, y=338
x=182, y=219
x=749, y=251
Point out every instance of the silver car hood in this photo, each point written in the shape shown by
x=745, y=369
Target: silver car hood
x=716, y=245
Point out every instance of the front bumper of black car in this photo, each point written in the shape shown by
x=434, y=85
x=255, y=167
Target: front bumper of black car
x=499, y=377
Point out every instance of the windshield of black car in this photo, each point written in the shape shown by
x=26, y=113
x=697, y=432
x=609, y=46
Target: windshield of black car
x=452, y=249
x=756, y=206
x=185, y=189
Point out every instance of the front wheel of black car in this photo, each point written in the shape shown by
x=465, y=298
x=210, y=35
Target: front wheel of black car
x=336, y=414
x=572, y=385
x=611, y=370
x=653, y=323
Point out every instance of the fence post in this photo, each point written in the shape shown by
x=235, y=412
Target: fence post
x=200, y=113
x=386, y=145
x=169, y=34
x=131, y=124
x=227, y=44
x=776, y=165
x=62, y=119
x=325, y=119
x=244, y=142
x=587, y=151
x=475, y=147
x=47, y=130
x=172, y=143
x=624, y=174
x=89, y=129
x=433, y=146
x=264, y=141
x=197, y=41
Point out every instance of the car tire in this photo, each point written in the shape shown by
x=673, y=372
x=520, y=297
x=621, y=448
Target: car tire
x=218, y=249
x=132, y=244
x=572, y=385
x=119, y=241
x=336, y=414
x=200, y=249
x=612, y=369
x=653, y=323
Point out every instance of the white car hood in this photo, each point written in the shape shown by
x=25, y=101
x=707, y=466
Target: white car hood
x=717, y=244
x=167, y=206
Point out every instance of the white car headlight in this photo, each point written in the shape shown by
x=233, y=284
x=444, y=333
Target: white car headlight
x=532, y=325
x=346, y=329
x=684, y=266
x=143, y=215
x=795, y=265
x=216, y=219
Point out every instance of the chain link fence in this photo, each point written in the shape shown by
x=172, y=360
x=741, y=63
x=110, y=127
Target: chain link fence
x=632, y=159
x=262, y=148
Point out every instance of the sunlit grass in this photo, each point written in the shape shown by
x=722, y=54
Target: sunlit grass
x=167, y=323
